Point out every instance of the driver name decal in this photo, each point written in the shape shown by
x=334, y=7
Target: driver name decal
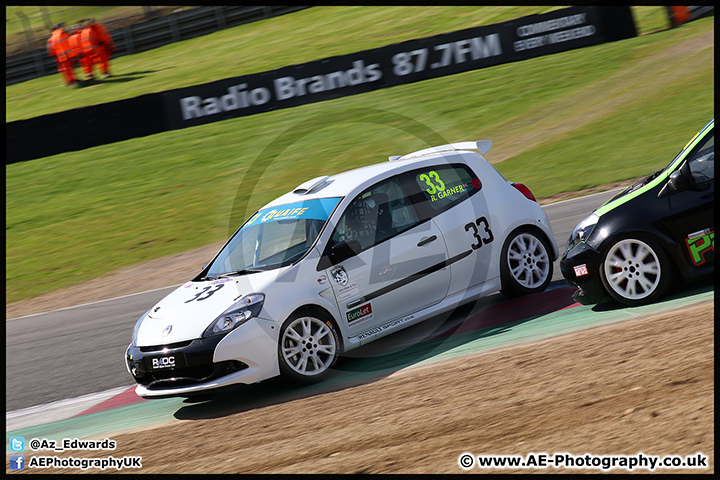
x=448, y=192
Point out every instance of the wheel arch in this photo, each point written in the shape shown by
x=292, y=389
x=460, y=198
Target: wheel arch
x=506, y=284
x=633, y=220
x=666, y=243
x=654, y=241
x=320, y=312
x=554, y=253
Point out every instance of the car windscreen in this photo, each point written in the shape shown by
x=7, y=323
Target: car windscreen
x=273, y=237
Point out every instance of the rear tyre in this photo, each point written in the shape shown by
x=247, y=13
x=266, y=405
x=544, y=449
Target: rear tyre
x=308, y=348
x=635, y=272
x=525, y=264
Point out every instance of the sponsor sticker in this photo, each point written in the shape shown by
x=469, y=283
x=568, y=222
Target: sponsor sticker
x=340, y=275
x=581, y=270
x=317, y=209
x=382, y=328
x=163, y=362
x=360, y=314
x=351, y=290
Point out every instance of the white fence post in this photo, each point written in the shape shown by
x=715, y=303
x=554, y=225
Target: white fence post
x=220, y=15
x=174, y=31
x=129, y=40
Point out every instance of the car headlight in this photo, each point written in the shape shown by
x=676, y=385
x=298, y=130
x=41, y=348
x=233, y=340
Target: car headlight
x=582, y=231
x=137, y=327
x=246, y=308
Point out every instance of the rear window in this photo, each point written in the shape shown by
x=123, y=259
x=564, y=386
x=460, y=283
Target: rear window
x=443, y=186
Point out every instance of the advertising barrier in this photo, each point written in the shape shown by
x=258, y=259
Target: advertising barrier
x=400, y=63
x=329, y=78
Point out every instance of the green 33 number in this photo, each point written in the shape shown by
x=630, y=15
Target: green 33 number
x=429, y=178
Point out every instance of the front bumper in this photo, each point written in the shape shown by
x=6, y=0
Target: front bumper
x=247, y=355
x=180, y=364
x=580, y=266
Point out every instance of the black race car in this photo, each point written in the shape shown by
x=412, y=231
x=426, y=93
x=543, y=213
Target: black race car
x=661, y=229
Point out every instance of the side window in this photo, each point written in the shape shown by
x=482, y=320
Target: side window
x=378, y=213
x=702, y=163
x=443, y=186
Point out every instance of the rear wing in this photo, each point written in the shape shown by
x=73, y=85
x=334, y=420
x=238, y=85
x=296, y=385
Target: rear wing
x=481, y=146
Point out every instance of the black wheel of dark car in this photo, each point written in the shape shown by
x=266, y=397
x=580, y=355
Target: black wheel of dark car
x=308, y=347
x=525, y=263
x=635, y=272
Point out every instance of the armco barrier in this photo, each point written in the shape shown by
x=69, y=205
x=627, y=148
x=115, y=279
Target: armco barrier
x=151, y=34
x=400, y=63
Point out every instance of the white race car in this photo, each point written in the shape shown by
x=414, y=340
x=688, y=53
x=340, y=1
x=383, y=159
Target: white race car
x=341, y=261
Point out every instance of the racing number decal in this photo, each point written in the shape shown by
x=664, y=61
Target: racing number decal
x=438, y=186
x=199, y=296
x=482, y=221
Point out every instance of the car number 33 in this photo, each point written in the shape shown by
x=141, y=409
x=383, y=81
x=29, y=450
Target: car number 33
x=340, y=261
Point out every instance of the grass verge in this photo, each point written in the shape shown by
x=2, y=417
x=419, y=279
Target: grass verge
x=559, y=123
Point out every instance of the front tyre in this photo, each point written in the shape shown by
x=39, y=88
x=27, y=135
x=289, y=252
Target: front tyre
x=308, y=348
x=525, y=264
x=635, y=272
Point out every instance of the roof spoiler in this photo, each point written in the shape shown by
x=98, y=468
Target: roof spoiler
x=481, y=146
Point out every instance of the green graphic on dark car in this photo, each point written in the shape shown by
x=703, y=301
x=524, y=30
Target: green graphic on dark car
x=700, y=243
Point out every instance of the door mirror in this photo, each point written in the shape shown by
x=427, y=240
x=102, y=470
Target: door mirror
x=679, y=181
x=676, y=183
x=344, y=250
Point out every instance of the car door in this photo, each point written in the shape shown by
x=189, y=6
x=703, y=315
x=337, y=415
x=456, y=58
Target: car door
x=452, y=196
x=692, y=210
x=400, y=268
